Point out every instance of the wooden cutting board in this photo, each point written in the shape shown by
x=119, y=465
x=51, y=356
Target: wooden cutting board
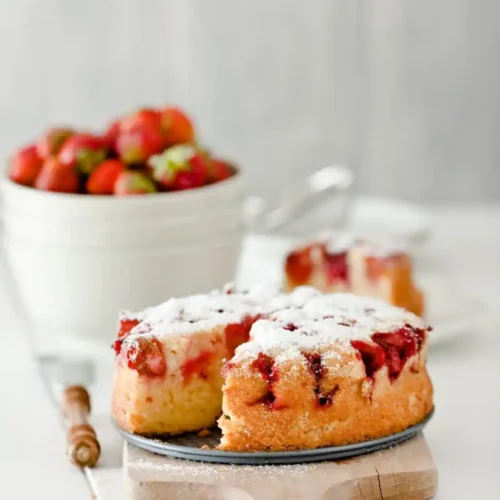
x=406, y=471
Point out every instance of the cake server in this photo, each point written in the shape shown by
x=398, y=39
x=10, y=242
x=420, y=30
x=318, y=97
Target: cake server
x=304, y=197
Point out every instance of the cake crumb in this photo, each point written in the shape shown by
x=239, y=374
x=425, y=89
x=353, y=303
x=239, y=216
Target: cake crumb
x=204, y=433
x=206, y=447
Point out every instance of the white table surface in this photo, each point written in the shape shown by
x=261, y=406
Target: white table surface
x=464, y=435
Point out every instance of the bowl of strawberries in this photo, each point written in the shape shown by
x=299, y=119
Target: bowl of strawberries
x=99, y=222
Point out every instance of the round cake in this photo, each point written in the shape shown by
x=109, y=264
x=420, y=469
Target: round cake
x=308, y=370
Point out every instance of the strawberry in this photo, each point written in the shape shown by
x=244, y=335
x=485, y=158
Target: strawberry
x=218, y=170
x=56, y=176
x=177, y=127
x=112, y=133
x=133, y=182
x=25, y=166
x=102, y=179
x=137, y=144
x=147, y=117
x=84, y=151
x=179, y=167
x=51, y=142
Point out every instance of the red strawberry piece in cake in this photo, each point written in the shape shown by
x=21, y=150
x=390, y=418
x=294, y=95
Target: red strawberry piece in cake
x=103, y=179
x=52, y=141
x=83, y=151
x=54, y=176
x=126, y=325
x=197, y=366
x=265, y=365
x=299, y=266
x=398, y=346
x=25, y=165
x=179, y=167
x=177, y=127
x=146, y=356
x=237, y=333
x=319, y=371
x=135, y=145
x=268, y=369
x=336, y=267
x=372, y=355
x=132, y=182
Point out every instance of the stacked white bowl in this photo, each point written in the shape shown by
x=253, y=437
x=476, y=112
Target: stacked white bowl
x=77, y=260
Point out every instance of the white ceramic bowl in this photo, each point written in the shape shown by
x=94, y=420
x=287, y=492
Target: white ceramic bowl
x=78, y=260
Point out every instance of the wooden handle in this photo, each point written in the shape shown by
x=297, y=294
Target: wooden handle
x=83, y=447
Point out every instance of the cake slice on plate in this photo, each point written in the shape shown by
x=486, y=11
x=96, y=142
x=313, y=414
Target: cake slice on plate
x=169, y=358
x=340, y=262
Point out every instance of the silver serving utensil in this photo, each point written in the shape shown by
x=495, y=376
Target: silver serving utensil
x=306, y=196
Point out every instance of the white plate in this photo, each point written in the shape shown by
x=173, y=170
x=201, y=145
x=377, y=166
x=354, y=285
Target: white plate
x=449, y=310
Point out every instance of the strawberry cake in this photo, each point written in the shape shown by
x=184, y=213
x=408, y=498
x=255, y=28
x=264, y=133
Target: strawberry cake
x=304, y=369
x=342, y=263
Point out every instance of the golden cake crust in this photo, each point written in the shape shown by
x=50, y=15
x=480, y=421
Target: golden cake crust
x=362, y=408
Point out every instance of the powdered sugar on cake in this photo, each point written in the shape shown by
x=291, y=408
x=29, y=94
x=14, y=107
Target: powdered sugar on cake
x=194, y=313
x=300, y=321
x=316, y=320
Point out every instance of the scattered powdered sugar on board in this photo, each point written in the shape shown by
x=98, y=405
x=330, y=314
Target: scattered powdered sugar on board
x=184, y=470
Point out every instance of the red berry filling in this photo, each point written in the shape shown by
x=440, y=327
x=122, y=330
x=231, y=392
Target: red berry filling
x=372, y=356
x=399, y=346
x=196, y=366
x=146, y=356
x=125, y=326
x=266, y=366
x=315, y=364
x=393, y=349
x=117, y=345
x=237, y=333
x=336, y=267
x=298, y=266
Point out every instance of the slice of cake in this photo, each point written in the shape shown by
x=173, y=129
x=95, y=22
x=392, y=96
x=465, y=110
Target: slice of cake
x=168, y=366
x=310, y=370
x=342, y=263
x=340, y=369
